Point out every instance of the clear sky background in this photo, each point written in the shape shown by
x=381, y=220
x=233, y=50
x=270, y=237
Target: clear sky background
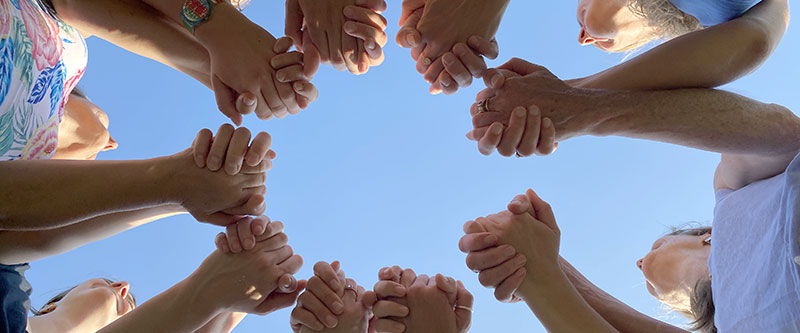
x=378, y=172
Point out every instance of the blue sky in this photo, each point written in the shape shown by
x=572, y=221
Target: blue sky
x=378, y=172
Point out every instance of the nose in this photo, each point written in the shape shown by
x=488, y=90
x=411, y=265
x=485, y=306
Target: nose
x=122, y=286
x=111, y=145
x=585, y=39
x=639, y=263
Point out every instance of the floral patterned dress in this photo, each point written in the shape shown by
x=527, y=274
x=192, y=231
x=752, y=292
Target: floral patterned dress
x=41, y=60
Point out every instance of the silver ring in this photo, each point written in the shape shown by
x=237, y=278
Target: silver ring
x=465, y=308
x=351, y=287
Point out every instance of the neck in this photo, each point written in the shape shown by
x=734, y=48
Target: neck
x=62, y=321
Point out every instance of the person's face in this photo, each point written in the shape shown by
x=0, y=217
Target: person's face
x=674, y=263
x=97, y=302
x=610, y=25
x=83, y=131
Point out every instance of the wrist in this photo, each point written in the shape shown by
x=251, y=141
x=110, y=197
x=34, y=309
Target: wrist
x=163, y=172
x=593, y=113
x=213, y=28
x=539, y=279
x=203, y=286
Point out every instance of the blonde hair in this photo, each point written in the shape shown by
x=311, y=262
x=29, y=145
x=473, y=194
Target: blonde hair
x=669, y=21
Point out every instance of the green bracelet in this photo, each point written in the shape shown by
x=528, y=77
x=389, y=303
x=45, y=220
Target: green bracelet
x=195, y=12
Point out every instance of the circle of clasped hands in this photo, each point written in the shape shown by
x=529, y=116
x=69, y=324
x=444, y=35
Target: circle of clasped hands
x=401, y=301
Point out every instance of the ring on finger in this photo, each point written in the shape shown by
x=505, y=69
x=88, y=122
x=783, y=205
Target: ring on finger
x=465, y=308
x=483, y=106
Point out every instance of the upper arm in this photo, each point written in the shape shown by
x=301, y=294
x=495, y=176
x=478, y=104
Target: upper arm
x=737, y=171
x=703, y=59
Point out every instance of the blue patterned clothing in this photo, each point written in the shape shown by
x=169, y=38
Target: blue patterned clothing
x=41, y=60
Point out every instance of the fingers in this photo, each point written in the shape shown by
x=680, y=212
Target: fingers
x=520, y=205
x=530, y=139
x=255, y=204
x=448, y=286
x=474, y=63
x=335, y=43
x=409, y=36
x=382, y=325
x=219, y=147
x=378, y=6
x=246, y=237
x=234, y=157
x=258, y=149
x=201, y=147
x=492, y=277
x=306, y=93
x=329, y=275
x=221, y=242
x=270, y=228
x=457, y=70
x=489, y=142
x=282, y=45
x=294, y=22
x=491, y=257
x=302, y=317
x=484, y=47
x=547, y=143
x=463, y=300
x=246, y=103
x=311, y=57
x=432, y=72
x=408, y=277
x=287, y=95
x=232, y=232
x=384, y=289
x=274, y=105
x=471, y=227
x=292, y=264
x=513, y=134
x=505, y=291
x=409, y=7
x=521, y=67
x=390, y=273
x=311, y=302
x=477, y=242
x=369, y=19
x=350, y=53
x=445, y=84
x=226, y=100
x=384, y=308
x=543, y=210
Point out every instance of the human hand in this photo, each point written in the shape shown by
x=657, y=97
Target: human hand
x=518, y=82
x=435, y=35
x=245, y=233
x=240, y=52
x=291, y=67
x=367, y=25
x=498, y=266
x=232, y=148
x=438, y=304
x=529, y=226
x=254, y=281
x=526, y=134
x=318, y=28
x=331, y=303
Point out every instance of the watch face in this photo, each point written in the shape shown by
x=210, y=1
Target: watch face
x=196, y=11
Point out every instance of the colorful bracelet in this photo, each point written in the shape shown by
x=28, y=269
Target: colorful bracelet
x=195, y=12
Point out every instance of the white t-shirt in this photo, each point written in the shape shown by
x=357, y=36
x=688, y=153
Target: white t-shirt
x=755, y=255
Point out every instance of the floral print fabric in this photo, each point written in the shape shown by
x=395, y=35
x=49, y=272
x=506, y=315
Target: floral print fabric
x=41, y=60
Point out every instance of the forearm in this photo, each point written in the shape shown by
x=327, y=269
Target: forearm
x=18, y=247
x=44, y=194
x=139, y=28
x=222, y=13
x=223, y=323
x=618, y=314
x=181, y=308
x=702, y=59
x=705, y=119
x=559, y=306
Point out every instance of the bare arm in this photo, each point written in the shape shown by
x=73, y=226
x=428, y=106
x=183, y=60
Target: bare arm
x=139, y=28
x=18, y=247
x=38, y=195
x=223, y=323
x=702, y=59
x=618, y=314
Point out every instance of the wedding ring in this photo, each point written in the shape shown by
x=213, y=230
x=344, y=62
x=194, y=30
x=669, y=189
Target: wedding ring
x=465, y=308
x=427, y=61
x=518, y=154
x=351, y=287
x=483, y=106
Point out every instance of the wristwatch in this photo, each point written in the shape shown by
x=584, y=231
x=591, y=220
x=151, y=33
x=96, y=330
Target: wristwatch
x=195, y=12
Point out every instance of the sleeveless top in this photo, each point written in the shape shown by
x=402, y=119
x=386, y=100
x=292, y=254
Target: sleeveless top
x=755, y=255
x=41, y=60
x=713, y=12
x=15, y=292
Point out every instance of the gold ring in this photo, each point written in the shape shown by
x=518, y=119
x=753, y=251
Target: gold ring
x=483, y=106
x=427, y=61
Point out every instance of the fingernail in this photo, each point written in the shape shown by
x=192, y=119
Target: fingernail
x=535, y=112
x=280, y=76
x=516, y=201
x=509, y=251
x=410, y=39
x=445, y=83
x=249, y=100
x=299, y=86
x=490, y=240
x=331, y=321
x=338, y=307
x=497, y=129
x=248, y=244
x=548, y=122
x=520, y=260
x=370, y=44
x=349, y=11
x=348, y=27
x=519, y=112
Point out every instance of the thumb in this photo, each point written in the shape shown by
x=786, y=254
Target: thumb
x=542, y=210
x=520, y=66
x=226, y=100
x=521, y=205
